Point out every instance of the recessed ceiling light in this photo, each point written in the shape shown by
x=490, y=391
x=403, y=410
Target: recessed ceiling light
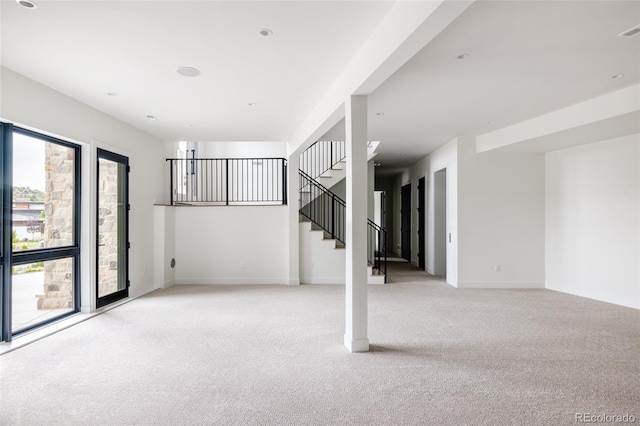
x=188, y=71
x=617, y=76
x=265, y=32
x=27, y=4
x=112, y=94
x=463, y=56
x=152, y=117
x=380, y=113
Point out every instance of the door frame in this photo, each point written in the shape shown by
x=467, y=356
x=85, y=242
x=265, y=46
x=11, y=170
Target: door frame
x=124, y=293
x=442, y=237
x=421, y=222
x=405, y=220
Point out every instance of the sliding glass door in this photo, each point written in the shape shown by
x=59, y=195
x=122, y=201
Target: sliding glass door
x=40, y=229
x=113, y=228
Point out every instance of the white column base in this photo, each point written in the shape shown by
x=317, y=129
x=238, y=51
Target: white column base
x=359, y=345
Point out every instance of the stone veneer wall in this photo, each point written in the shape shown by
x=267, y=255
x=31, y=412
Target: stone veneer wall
x=108, y=228
x=58, y=229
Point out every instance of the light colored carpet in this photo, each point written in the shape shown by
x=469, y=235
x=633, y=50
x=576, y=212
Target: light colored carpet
x=273, y=355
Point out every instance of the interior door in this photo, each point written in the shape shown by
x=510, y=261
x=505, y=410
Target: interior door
x=421, y=223
x=112, y=282
x=405, y=213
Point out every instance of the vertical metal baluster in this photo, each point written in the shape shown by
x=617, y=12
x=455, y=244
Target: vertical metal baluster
x=226, y=181
x=171, y=181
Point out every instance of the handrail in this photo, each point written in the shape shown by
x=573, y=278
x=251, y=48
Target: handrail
x=322, y=156
x=377, y=247
x=322, y=207
x=328, y=211
x=227, y=181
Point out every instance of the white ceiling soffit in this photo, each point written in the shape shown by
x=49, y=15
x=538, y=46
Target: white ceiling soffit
x=525, y=58
x=251, y=87
x=608, y=116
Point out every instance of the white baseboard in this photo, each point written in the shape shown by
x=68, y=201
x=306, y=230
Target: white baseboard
x=599, y=298
x=316, y=280
x=230, y=281
x=500, y=284
x=356, y=345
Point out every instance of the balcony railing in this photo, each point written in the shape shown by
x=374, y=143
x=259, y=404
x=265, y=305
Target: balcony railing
x=228, y=181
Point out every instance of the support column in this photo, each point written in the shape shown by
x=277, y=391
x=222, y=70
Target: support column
x=356, y=337
x=293, y=182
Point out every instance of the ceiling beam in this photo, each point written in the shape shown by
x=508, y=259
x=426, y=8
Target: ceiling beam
x=605, y=117
x=404, y=31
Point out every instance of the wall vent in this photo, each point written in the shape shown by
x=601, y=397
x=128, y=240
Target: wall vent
x=631, y=32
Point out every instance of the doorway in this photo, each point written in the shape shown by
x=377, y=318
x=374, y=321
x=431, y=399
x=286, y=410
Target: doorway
x=112, y=281
x=421, y=223
x=405, y=228
x=440, y=223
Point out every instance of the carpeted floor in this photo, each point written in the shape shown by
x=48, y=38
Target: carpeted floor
x=273, y=355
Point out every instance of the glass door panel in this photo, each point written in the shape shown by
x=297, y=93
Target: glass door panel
x=112, y=237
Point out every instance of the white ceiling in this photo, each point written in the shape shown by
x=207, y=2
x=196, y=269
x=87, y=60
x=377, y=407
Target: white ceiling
x=86, y=49
x=526, y=58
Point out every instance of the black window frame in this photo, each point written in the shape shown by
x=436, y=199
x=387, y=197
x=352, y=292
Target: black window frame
x=43, y=254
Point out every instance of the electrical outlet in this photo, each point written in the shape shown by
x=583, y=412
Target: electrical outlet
x=497, y=268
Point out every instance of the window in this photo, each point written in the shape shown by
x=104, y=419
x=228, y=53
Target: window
x=40, y=232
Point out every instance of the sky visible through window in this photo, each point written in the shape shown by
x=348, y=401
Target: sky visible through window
x=28, y=162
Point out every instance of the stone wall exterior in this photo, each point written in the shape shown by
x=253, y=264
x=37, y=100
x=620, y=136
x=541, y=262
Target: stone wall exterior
x=108, y=228
x=58, y=229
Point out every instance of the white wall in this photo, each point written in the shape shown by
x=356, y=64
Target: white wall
x=242, y=149
x=232, y=245
x=164, y=249
x=320, y=261
x=593, y=221
x=29, y=104
x=444, y=157
x=500, y=218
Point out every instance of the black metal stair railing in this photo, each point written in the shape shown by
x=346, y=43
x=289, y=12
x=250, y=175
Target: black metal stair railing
x=328, y=211
x=377, y=247
x=228, y=181
x=321, y=157
x=322, y=207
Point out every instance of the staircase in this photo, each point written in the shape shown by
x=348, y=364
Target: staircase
x=323, y=212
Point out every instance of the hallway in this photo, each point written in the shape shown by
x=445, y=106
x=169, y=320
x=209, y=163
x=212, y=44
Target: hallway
x=405, y=272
